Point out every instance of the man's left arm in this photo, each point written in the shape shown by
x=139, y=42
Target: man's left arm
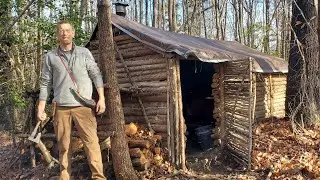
x=96, y=77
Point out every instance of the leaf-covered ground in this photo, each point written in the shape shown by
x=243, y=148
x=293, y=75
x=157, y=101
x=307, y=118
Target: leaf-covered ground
x=287, y=153
x=278, y=153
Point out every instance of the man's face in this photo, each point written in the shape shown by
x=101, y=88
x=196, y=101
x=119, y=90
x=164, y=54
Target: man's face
x=65, y=33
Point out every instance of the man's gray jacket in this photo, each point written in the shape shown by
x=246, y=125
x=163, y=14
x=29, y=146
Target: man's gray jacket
x=55, y=76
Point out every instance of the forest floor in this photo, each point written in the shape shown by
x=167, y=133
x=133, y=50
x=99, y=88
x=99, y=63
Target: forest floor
x=16, y=166
x=278, y=153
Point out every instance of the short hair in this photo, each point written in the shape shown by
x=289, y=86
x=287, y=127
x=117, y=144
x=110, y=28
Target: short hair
x=63, y=22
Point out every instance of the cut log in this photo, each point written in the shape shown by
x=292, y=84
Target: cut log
x=157, y=150
x=143, y=68
x=141, y=73
x=132, y=143
x=135, y=152
x=149, y=111
x=123, y=37
x=154, y=77
x=106, y=144
x=158, y=137
x=145, y=58
x=139, y=160
x=155, y=119
x=146, y=84
x=131, y=129
x=131, y=54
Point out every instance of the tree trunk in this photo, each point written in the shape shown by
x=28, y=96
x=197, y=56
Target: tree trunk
x=174, y=16
x=141, y=11
x=204, y=20
x=147, y=12
x=155, y=13
x=135, y=10
x=119, y=147
x=170, y=2
x=267, y=27
x=302, y=103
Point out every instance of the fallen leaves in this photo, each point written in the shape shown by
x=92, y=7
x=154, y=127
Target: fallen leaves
x=285, y=153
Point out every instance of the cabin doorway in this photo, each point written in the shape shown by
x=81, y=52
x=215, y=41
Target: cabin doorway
x=196, y=80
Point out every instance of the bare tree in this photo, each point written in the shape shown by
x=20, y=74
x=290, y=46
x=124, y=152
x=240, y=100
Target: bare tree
x=141, y=11
x=147, y=12
x=119, y=147
x=155, y=13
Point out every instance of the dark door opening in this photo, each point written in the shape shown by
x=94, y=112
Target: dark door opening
x=196, y=80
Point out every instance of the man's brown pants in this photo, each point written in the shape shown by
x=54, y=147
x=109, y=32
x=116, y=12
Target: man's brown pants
x=86, y=126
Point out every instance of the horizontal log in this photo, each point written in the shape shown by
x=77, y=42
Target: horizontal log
x=154, y=119
x=143, y=68
x=152, y=77
x=149, y=111
x=141, y=73
x=132, y=49
x=135, y=53
x=128, y=63
x=119, y=43
x=159, y=128
x=134, y=143
x=127, y=54
x=144, y=99
x=135, y=153
x=145, y=91
x=130, y=45
x=145, y=84
x=134, y=104
x=122, y=37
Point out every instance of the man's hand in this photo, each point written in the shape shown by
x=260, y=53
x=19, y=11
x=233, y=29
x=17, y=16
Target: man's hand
x=101, y=106
x=41, y=115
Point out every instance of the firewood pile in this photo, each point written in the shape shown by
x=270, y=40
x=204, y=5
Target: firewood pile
x=284, y=152
x=146, y=152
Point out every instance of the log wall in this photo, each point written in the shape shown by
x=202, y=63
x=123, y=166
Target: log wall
x=271, y=95
x=148, y=72
x=240, y=99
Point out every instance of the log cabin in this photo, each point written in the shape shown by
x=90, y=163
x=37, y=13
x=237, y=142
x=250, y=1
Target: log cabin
x=196, y=93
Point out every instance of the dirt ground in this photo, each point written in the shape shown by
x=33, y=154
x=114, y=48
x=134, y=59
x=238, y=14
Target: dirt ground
x=14, y=165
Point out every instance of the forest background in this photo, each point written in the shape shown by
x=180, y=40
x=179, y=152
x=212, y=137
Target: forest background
x=27, y=31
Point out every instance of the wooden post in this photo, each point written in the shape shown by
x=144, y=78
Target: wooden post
x=250, y=113
x=222, y=120
x=181, y=119
x=176, y=114
x=119, y=148
x=168, y=109
x=171, y=112
x=271, y=95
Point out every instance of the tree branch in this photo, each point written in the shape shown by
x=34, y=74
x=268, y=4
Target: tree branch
x=17, y=19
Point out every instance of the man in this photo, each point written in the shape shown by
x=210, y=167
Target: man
x=82, y=71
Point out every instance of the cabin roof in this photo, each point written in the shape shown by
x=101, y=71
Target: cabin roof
x=190, y=47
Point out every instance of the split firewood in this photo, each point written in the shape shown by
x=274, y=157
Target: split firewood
x=131, y=129
x=157, y=150
x=106, y=144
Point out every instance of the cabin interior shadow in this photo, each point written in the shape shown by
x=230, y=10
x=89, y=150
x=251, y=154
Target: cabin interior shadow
x=196, y=80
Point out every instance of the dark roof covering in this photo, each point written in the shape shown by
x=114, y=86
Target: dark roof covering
x=204, y=49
